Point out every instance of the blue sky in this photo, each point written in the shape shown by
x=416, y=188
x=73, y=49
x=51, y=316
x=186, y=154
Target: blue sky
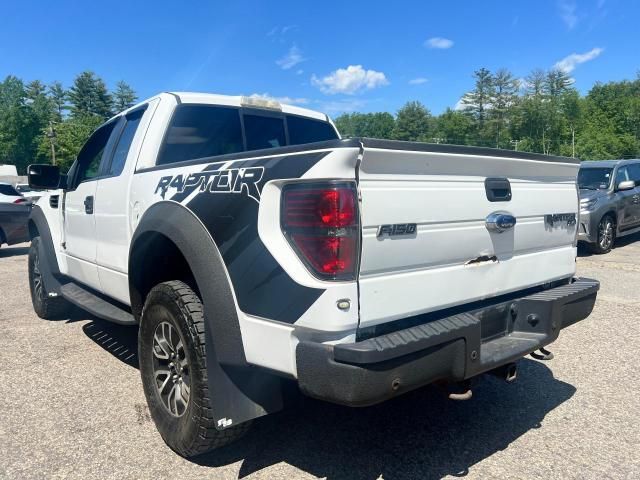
x=328, y=56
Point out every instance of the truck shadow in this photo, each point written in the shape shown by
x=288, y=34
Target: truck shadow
x=418, y=435
x=121, y=341
x=6, y=252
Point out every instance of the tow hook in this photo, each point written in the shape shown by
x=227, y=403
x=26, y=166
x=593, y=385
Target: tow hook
x=457, y=391
x=508, y=372
x=543, y=355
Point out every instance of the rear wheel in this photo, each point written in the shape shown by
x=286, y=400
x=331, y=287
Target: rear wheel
x=171, y=351
x=606, y=236
x=46, y=306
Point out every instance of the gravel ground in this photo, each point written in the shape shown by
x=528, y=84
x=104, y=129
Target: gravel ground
x=72, y=406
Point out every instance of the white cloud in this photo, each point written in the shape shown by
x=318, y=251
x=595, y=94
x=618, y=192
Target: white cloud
x=278, y=31
x=418, y=81
x=350, y=80
x=568, y=13
x=287, y=100
x=291, y=59
x=570, y=62
x=299, y=71
x=439, y=43
x=460, y=105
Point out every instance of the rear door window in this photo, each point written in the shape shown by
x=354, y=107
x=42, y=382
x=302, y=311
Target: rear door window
x=264, y=132
x=306, y=130
x=124, y=142
x=199, y=131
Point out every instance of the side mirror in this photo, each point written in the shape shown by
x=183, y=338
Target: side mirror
x=626, y=185
x=43, y=177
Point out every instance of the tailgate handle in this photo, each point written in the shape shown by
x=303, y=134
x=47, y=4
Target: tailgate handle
x=498, y=189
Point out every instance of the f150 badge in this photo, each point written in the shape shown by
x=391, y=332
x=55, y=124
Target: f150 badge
x=233, y=180
x=397, y=229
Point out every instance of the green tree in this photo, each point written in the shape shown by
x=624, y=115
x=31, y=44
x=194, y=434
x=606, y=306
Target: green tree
x=89, y=96
x=71, y=135
x=375, y=125
x=478, y=101
x=58, y=96
x=504, y=97
x=412, y=122
x=123, y=97
x=453, y=127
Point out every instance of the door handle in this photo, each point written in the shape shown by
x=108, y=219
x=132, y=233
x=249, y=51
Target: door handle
x=88, y=205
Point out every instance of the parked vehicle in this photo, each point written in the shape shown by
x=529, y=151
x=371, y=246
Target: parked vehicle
x=252, y=245
x=14, y=219
x=8, y=194
x=8, y=170
x=609, y=202
x=27, y=192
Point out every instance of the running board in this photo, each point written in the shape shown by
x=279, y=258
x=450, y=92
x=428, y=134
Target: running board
x=96, y=305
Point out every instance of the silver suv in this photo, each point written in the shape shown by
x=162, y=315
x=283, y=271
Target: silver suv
x=609, y=202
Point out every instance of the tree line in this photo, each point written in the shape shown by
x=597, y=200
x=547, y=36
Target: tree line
x=541, y=113
x=38, y=121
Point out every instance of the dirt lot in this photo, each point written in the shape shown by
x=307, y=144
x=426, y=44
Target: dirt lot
x=72, y=406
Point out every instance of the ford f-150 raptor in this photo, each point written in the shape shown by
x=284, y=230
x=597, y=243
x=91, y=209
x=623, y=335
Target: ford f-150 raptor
x=252, y=244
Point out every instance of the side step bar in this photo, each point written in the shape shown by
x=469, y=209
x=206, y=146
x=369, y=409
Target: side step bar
x=96, y=305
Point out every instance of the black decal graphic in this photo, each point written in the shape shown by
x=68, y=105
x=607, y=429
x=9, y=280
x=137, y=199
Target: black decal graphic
x=163, y=184
x=234, y=180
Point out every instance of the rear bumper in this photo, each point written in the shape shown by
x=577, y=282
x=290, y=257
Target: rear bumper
x=453, y=348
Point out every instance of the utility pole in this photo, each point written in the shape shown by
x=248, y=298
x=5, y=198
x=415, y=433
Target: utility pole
x=51, y=134
x=515, y=144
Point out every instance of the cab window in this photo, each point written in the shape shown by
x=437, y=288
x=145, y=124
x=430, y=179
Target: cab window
x=91, y=155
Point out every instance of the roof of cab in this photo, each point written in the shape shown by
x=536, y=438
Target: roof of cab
x=236, y=101
x=607, y=163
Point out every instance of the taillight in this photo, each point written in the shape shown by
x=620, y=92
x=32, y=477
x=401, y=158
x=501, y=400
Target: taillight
x=20, y=200
x=321, y=223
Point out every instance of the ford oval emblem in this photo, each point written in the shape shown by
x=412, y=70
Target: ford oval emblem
x=500, y=221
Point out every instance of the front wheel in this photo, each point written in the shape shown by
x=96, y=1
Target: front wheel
x=606, y=236
x=45, y=304
x=171, y=351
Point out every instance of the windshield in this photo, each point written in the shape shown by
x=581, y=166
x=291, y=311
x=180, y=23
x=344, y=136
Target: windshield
x=8, y=190
x=594, y=178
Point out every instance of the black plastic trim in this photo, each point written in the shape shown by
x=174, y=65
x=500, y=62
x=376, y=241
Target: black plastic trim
x=452, y=349
x=240, y=392
x=497, y=189
x=463, y=150
x=50, y=270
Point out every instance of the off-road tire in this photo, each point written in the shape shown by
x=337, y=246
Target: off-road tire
x=194, y=431
x=606, y=236
x=45, y=306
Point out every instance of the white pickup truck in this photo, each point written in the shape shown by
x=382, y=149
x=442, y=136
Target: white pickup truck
x=252, y=244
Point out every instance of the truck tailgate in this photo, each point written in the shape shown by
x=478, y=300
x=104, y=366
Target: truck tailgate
x=453, y=257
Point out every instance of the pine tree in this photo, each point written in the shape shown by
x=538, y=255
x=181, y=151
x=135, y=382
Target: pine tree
x=89, y=96
x=478, y=101
x=123, y=97
x=504, y=96
x=58, y=96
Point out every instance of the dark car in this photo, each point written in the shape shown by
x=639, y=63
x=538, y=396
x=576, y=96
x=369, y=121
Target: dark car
x=14, y=219
x=609, y=202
